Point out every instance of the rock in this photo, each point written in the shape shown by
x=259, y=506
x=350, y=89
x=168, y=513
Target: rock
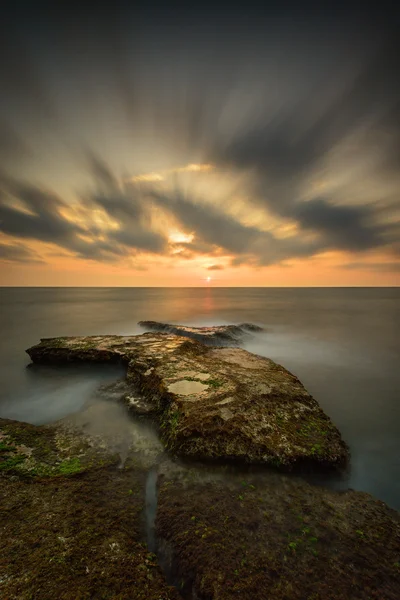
x=218, y=335
x=278, y=538
x=214, y=403
x=76, y=534
x=100, y=435
x=31, y=451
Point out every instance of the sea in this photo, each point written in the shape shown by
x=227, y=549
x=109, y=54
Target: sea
x=342, y=343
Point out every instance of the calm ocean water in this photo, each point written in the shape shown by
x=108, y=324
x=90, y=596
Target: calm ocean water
x=343, y=343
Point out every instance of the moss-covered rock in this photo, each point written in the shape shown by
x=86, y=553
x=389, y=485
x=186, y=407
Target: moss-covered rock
x=77, y=537
x=276, y=538
x=72, y=522
x=214, y=403
x=30, y=451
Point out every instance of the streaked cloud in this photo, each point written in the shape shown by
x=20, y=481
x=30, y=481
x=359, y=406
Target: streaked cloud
x=161, y=176
x=203, y=141
x=18, y=253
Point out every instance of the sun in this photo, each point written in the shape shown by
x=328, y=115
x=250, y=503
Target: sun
x=208, y=279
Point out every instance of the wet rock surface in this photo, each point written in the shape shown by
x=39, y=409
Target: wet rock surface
x=72, y=523
x=276, y=538
x=219, y=335
x=213, y=403
x=46, y=452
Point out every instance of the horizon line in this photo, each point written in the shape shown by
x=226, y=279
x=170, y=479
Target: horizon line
x=199, y=286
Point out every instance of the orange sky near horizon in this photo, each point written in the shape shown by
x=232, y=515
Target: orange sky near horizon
x=320, y=271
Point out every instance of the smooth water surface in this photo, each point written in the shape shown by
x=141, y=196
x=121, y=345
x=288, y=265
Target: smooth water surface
x=343, y=343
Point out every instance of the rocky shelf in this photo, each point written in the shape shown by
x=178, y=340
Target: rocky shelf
x=73, y=525
x=213, y=403
x=277, y=538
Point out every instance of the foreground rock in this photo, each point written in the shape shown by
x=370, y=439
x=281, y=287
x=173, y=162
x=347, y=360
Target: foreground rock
x=213, y=403
x=29, y=451
x=219, y=335
x=277, y=539
x=72, y=524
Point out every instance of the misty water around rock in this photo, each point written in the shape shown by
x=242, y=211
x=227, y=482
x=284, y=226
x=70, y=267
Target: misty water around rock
x=341, y=343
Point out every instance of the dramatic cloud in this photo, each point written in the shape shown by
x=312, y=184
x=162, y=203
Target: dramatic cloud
x=214, y=227
x=287, y=150
x=240, y=138
x=344, y=227
x=40, y=215
x=126, y=206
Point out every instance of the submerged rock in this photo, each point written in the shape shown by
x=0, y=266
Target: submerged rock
x=218, y=335
x=278, y=538
x=214, y=403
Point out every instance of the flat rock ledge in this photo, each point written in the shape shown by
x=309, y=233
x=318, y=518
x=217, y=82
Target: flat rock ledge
x=213, y=403
x=277, y=538
x=218, y=335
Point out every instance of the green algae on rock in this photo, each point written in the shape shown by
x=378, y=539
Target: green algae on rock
x=214, y=403
x=277, y=538
x=76, y=531
x=217, y=335
x=32, y=451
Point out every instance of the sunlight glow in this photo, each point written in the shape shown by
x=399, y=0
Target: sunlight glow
x=148, y=177
x=192, y=168
x=178, y=237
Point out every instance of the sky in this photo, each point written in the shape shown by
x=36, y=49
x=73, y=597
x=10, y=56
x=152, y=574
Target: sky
x=164, y=144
